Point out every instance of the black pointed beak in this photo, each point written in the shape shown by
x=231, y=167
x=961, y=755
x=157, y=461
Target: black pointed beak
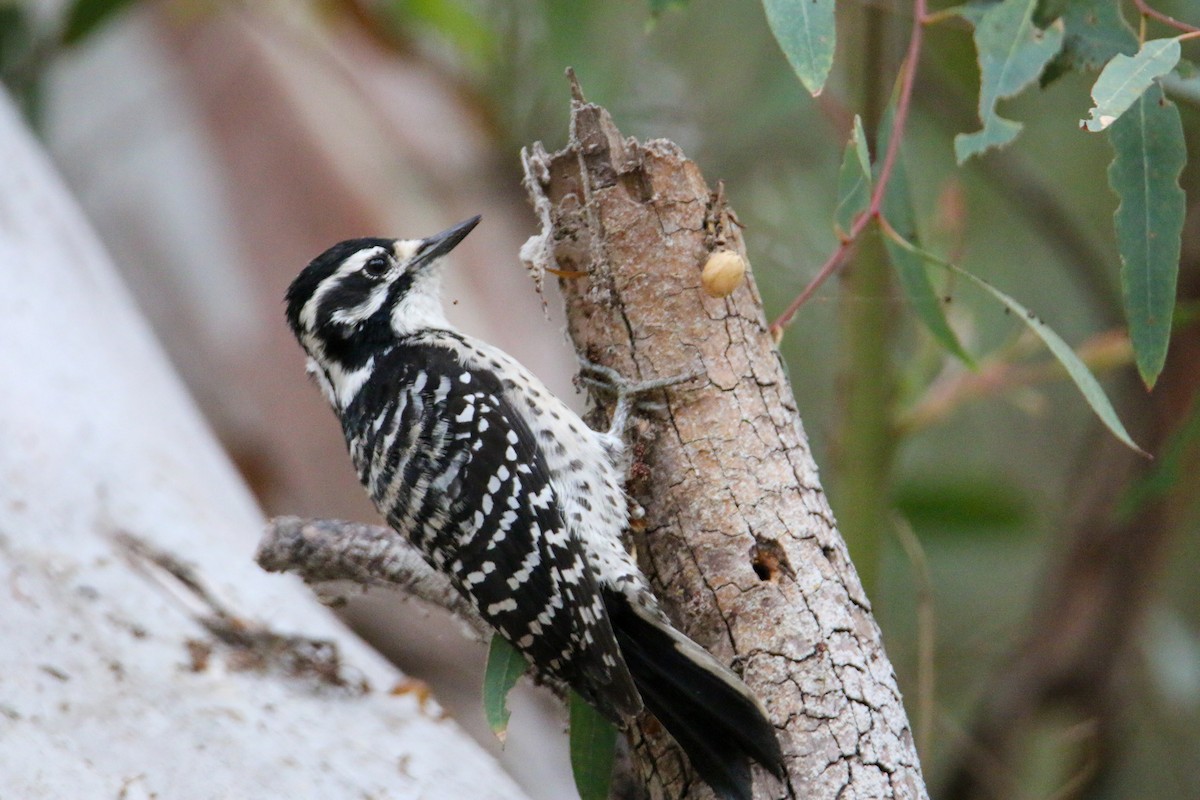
x=441, y=243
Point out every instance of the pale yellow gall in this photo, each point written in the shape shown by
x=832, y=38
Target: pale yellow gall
x=723, y=272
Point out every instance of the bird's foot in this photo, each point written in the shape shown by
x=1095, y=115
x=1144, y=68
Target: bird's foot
x=631, y=395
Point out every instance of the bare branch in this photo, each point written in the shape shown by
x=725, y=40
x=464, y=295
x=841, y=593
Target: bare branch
x=321, y=551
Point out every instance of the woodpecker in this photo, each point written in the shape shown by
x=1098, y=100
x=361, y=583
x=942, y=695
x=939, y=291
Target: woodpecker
x=505, y=490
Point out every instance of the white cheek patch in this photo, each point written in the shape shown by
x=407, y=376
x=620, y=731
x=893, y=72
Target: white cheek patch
x=363, y=311
x=308, y=314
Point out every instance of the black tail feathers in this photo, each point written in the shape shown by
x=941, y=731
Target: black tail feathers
x=704, y=705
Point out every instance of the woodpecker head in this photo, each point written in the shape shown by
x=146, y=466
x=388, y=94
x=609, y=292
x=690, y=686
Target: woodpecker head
x=358, y=296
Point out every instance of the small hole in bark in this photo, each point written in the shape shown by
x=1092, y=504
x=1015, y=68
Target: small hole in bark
x=768, y=560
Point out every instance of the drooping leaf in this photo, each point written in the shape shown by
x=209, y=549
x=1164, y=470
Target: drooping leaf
x=1094, y=32
x=86, y=16
x=1150, y=154
x=1012, y=52
x=911, y=269
x=593, y=742
x=1087, y=384
x=505, y=665
x=1124, y=79
x=806, y=33
x=854, y=181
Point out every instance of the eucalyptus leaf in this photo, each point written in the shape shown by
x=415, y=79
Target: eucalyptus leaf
x=1126, y=78
x=1012, y=53
x=911, y=269
x=1150, y=153
x=854, y=181
x=1087, y=384
x=593, y=744
x=806, y=33
x=505, y=665
x=1094, y=32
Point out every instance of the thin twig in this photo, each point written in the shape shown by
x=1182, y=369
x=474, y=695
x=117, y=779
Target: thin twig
x=831, y=266
x=1147, y=11
x=903, y=103
x=899, y=120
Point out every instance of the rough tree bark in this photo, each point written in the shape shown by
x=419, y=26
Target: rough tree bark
x=738, y=537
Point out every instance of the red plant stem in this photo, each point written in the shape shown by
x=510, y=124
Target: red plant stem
x=899, y=119
x=830, y=266
x=1147, y=11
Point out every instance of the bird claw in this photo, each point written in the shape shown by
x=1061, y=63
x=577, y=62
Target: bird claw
x=628, y=392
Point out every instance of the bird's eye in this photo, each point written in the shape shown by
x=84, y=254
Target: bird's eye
x=376, y=266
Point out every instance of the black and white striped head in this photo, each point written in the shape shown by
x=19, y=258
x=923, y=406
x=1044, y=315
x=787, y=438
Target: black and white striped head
x=355, y=299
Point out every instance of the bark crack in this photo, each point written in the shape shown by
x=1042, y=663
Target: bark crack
x=728, y=484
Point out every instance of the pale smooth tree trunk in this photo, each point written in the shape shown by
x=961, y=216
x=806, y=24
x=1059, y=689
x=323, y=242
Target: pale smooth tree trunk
x=142, y=652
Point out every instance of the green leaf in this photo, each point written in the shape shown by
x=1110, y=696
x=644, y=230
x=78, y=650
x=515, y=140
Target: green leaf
x=593, y=742
x=1150, y=154
x=1087, y=384
x=854, y=181
x=911, y=269
x=1126, y=78
x=914, y=280
x=86, y=16
x=1094, y=32
x=1012, y=52
x=805, y=31
x=505, y=665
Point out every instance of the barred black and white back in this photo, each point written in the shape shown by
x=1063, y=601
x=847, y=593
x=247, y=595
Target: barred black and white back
x=509, y=493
